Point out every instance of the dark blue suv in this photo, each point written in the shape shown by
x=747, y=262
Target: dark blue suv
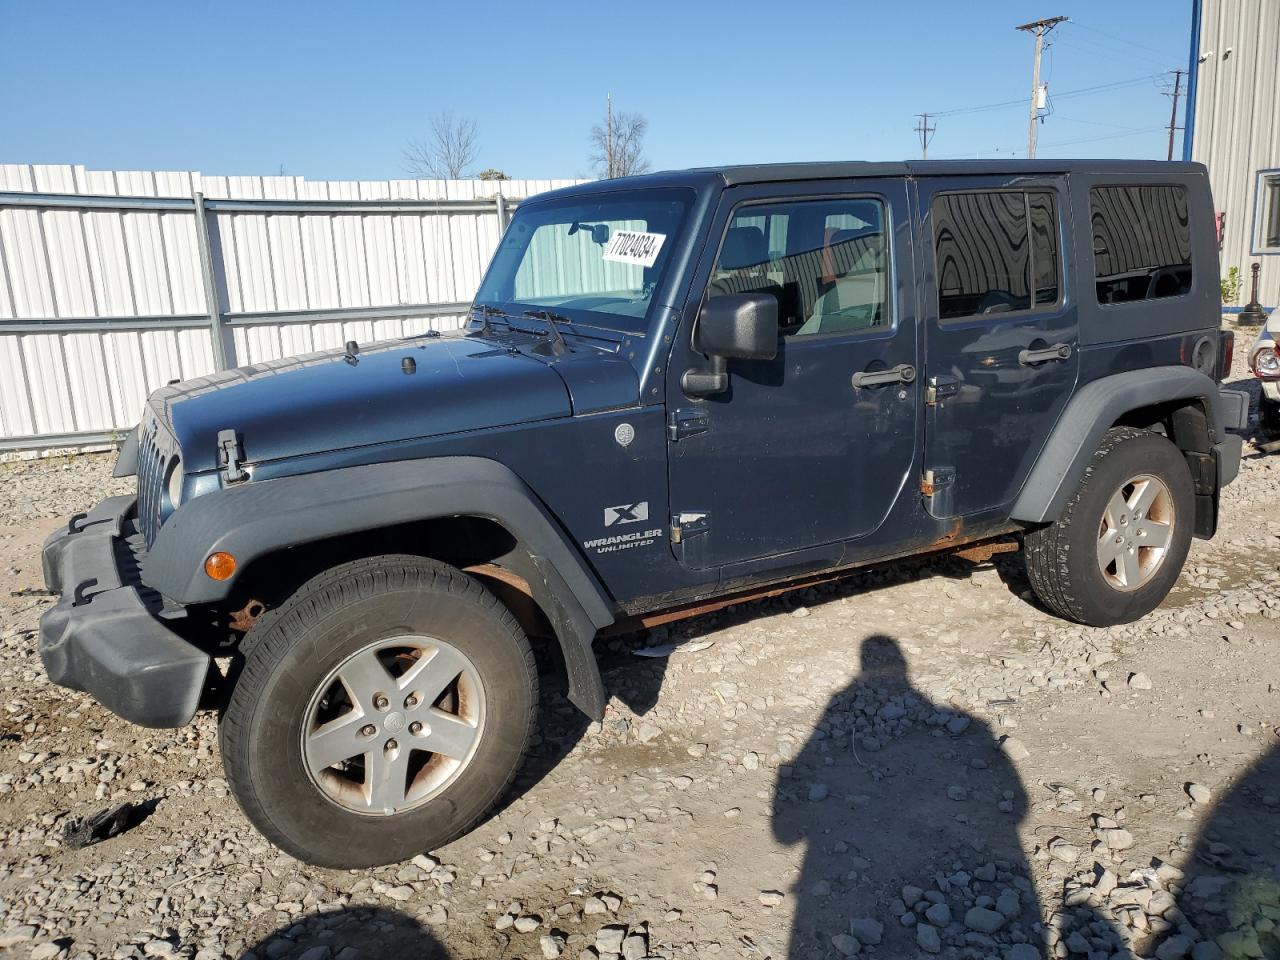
x=676, y=392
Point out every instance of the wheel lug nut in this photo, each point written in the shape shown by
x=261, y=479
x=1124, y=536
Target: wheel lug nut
x=381, y=702
x=392, y=745
x=411, y=701
x=415, y=728
x=368, y=730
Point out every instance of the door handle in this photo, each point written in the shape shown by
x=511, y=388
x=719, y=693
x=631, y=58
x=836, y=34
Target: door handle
x=902, y=373
x=1059, y=351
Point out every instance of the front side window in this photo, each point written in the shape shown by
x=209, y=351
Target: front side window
x=1269, y=210
x=826, y=262
x=1141, y=242
x=597, y=260
x=996, y=251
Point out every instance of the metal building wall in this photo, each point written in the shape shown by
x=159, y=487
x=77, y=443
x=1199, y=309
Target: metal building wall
x=1237, y=123
x=100, y=304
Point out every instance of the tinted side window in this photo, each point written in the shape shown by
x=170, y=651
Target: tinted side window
x=1044, y=247
x=997, y=252
x=825, y=261
x=1141, y=242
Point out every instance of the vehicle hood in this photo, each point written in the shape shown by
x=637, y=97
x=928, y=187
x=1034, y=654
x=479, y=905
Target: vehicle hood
x=327, y=401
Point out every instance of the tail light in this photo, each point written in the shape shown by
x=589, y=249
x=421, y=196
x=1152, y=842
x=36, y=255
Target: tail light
x=1226, y=354
x=1265, y=362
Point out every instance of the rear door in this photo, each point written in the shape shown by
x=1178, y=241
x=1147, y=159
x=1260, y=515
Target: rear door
x=801, y=451
x=1001, y=334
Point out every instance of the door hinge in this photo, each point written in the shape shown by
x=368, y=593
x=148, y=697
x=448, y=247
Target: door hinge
x=686, y=423
x=940, y=388
x=689, y=523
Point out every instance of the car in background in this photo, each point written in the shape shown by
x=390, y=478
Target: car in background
x=1264, y=361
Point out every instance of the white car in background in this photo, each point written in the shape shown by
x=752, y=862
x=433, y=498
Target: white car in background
x=1264, y=361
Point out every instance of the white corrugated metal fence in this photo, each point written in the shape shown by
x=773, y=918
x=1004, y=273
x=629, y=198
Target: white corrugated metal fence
x=113, y=283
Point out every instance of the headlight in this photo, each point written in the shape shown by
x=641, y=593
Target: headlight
x=176, y=478
x=1266, y=363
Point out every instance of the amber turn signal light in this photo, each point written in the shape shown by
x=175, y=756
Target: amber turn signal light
x=220, y=566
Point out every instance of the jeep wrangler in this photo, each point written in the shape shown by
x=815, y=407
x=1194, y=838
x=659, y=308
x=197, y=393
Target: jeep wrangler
x=674, y=392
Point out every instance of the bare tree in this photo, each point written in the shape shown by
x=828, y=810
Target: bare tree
x=446, y=152
x=617, y=147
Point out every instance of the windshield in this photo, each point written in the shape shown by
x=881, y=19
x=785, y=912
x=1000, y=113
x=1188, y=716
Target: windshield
x=593, y=260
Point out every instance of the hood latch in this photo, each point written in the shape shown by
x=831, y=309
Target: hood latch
x=231, y=456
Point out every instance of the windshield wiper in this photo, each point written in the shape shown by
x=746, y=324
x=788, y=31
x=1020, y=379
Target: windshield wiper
x=558, y=344
x=488, y=312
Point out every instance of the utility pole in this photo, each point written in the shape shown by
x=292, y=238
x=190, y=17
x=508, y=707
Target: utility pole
x=926, y=134
x=1040, y=28
x=1173, y=114
x=608, y=136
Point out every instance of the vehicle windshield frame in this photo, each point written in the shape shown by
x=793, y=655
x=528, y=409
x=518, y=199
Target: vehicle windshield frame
x=514, y=246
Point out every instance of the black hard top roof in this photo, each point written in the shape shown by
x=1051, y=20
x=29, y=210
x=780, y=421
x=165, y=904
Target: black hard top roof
x=850, y=169
x=842, y=169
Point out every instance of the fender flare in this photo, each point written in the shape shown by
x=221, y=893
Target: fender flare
x=257, y=518
x=1089, y=415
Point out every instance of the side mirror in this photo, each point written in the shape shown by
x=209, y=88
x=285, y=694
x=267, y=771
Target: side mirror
x=742, y=326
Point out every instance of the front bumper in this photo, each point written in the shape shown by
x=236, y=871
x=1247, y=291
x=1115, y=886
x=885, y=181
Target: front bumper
x=104, y=636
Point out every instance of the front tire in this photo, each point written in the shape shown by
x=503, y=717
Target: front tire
x=381, y=712
x=1118, y=547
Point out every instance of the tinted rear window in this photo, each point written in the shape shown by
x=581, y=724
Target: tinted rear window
x=1141, y=242
x=997, y=252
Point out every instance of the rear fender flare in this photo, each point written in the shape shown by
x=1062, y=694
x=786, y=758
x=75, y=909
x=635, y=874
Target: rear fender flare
x=1087, y=418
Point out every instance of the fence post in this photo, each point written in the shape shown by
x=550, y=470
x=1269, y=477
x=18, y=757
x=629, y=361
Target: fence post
x=501, y=202
x=216, y=331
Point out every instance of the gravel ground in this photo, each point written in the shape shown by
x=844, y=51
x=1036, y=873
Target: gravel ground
x=56, y=486
x=915, y=762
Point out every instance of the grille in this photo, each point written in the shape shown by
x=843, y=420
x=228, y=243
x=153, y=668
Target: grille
x=154, y=456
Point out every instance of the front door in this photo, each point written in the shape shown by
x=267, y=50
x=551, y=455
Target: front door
x=813, y=447
x=1001, y=334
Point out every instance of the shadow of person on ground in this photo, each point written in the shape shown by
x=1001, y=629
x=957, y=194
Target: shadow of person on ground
x=1229, y=902
x=353, y=933
x=909, y=813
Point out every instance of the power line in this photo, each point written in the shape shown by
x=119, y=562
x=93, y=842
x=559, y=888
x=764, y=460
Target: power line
x=1097, y=123
x=1109, y=136
x=1089, y=47
x=1116, y=39
x=1059, y=143
x=1083, y=91
x=1104, y=87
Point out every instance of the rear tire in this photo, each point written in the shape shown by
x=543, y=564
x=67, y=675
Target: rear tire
x=1269, y=417
x=1118, y=547
x=381, y=712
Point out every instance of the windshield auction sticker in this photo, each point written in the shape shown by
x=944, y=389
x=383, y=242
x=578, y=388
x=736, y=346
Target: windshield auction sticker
x=632, y=246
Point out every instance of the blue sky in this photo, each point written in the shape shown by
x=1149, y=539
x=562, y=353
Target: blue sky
x=334, y=90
